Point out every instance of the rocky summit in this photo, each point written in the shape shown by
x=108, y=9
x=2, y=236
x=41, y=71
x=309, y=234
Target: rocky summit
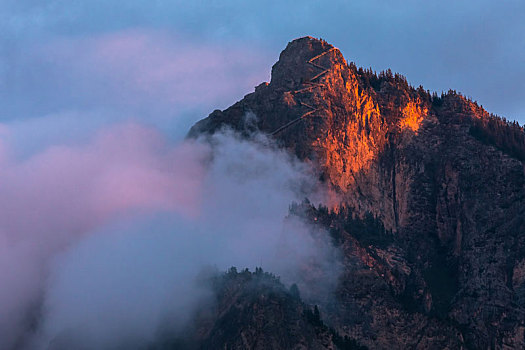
x=430, y=210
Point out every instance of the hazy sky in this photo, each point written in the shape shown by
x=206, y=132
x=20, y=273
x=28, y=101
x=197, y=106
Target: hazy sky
x=172, y=62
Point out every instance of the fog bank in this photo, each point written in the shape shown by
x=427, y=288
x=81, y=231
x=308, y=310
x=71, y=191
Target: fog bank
x=101, y=241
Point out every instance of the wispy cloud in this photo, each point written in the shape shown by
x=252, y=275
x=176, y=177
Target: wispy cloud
x=145, y=74
x=100, y=241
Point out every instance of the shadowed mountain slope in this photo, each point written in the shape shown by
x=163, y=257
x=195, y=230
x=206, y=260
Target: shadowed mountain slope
x=431, y=216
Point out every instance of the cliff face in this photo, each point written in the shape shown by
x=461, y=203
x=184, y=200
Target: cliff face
x=443, y=180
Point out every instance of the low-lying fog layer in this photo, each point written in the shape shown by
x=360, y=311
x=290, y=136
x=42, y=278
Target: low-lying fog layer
x=101, y=241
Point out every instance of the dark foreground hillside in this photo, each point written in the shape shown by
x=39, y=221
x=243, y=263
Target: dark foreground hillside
x=254, y=310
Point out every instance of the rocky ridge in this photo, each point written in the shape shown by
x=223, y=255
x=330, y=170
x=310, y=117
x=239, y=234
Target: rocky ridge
x=431, y=216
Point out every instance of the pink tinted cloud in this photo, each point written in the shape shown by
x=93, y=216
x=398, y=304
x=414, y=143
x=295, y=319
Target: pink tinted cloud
x=180, y=207
x=74, y=189
x=51, y=200
x=141, y=64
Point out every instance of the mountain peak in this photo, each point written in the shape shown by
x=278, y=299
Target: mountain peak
x=344, y=119
x=302, y=60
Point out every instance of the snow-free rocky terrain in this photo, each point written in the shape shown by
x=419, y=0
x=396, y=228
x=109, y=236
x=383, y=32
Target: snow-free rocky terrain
x=430, y=214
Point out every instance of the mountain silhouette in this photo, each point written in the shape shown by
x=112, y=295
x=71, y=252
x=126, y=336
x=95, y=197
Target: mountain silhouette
x=431, y=204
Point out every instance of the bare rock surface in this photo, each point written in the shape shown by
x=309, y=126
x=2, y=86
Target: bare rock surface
x=432, y=212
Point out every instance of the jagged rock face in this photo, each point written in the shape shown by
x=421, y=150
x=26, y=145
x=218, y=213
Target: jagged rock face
x=452, y=274
x=347, y=130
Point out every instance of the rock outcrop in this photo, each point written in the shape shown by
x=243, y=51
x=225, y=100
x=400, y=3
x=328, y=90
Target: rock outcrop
x=441, y=180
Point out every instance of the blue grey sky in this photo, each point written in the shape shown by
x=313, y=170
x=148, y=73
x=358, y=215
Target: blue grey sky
x=172, y=62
